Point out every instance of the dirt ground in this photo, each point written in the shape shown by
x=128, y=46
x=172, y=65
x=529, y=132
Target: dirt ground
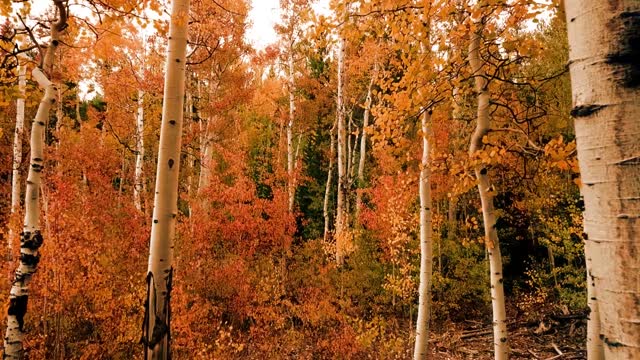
x=554, y=337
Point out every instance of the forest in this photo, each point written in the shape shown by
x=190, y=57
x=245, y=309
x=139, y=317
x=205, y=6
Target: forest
x=388, y=179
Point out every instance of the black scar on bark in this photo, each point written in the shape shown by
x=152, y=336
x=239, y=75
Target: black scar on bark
x=483, y=171
x=30, y=260
x=17, y=308
x=586, y=110
x=625, y=55
x=611, y=343
x=31, y=241
x=171, y=163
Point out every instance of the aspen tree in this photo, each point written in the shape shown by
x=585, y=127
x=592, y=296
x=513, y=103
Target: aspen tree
x=156, y=326
x=327, y=191
x=363, y=143
x=485, y=189
x=290, y=151
x=426, y=247
x=138, y=184
x=17, y=151
x=31, y=238
x=341, y=216
x=604, y=63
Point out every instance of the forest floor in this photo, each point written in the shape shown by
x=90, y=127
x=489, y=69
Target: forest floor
x=559, y=337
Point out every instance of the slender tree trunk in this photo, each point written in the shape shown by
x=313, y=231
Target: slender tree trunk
x=17, y=154
x=341, y=216
x=290, y=148
x=31, y=238
x=354, y=152
x=59, y=113
x=349, y=146
x=363, y=146
x=157, y=326
x=500, y=344
x=139, y=174
x=327, y=191
x=605, y=76
x=426, y=249
x=206, y=156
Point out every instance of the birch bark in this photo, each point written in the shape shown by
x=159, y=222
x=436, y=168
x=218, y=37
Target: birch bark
x=290, y=148
x=31, y=238
x=341, y=221
x=139, y=171
x=156, y=326
x=327, y=191
x=363, y=145
x=426, y=248
x=500, y=344
x=605, y=75
x=17, y=153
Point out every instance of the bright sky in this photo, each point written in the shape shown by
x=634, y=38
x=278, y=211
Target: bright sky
x=263, y=15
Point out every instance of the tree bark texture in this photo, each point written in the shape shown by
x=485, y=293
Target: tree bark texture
x=17, y=153
x=426, y=249
x=604, y=40
x=157, y=325
x=138, y=182
x=500, y=343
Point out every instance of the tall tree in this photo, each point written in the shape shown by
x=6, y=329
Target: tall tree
x=157, y=326
x=604, y=46
x=341, y=211
x=486, y=191
x=31, y=238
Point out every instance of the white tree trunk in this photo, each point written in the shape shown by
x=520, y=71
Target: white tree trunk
x=363, y=146
x=31, y=237
x=327, y=190
x=341, y=216
x=17, y=153
x=290, y=151
x=605, y=76
x=138, y=185
x=426, y=249
x=156, y=327
x=206, y=154
x=500, y=343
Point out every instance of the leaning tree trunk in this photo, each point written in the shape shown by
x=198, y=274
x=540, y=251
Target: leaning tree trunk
x=327, y=190
x=426, y=249
x=291, y=188
x=605, y=75
x=138, y=184
x=31, y=238
x=500, y=344
x=157, y=326
x=17, y=154
x=341, y=216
